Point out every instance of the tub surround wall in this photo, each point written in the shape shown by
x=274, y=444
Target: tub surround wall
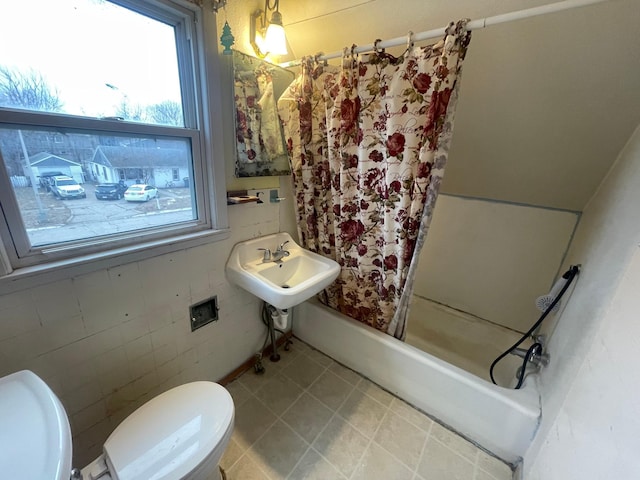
x=590, y=422
x=493, y=259
x=462, y=340
x=108, y=341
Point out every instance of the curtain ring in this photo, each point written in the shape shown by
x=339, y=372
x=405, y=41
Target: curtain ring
x=353, y=51
x=375, y=46
x=410, y=40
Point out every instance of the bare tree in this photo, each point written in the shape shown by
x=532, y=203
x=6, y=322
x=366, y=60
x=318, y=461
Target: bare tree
x=166, y=113
x=27, y=90
x=130, y=111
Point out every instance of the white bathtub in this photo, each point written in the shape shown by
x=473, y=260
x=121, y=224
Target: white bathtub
x=500, y=420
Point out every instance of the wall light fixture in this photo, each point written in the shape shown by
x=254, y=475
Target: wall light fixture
x=268, y=37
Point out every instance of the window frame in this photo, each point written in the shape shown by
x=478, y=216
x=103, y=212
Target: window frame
x=200, y=85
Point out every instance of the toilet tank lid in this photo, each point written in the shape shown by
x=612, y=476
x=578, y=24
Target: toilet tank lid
x=171, y=434
x=35, y=438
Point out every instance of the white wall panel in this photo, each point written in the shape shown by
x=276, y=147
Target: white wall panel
x=493, y=259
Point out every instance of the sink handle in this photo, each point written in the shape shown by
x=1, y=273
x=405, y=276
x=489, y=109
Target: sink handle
x=267, y=254
x=281, y=247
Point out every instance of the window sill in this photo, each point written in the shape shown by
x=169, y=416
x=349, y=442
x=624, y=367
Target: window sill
x=28, y=277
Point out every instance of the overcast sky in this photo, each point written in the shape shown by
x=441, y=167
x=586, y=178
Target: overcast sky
x=81, y=45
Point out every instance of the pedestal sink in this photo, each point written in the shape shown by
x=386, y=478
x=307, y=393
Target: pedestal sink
x=285, y=282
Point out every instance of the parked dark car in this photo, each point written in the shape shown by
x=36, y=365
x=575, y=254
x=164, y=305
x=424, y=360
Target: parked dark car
x=110, y=191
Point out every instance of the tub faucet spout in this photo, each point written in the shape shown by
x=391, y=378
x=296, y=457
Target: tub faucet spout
x=536, y=357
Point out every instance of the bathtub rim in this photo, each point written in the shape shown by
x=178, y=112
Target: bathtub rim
x=515, y=414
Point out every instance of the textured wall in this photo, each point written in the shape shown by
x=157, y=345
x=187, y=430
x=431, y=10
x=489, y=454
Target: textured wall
x=592, y=371
x=108, y=341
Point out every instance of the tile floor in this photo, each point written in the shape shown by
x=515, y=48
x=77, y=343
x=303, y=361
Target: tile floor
x=308, y=417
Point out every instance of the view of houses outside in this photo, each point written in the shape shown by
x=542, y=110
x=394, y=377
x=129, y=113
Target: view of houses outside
x=92, y=160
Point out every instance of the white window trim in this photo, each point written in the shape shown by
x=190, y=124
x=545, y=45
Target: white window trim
x=207, y=71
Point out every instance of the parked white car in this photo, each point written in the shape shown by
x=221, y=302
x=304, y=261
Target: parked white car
x=140, y=193
x=66, y=187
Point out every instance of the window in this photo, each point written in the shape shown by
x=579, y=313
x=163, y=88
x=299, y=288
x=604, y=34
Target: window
x=121, y=100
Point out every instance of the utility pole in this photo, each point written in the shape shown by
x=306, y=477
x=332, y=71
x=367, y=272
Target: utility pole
x=42, y=213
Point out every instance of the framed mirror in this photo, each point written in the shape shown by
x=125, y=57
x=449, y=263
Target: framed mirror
x=260, y=146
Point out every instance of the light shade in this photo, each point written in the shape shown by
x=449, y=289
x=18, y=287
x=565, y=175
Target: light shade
x=275, y=41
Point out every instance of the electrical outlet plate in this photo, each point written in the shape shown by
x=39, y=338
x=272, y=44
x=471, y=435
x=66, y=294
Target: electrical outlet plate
x=203, y=313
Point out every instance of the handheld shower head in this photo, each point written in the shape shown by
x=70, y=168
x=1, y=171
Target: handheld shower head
x=544, y=301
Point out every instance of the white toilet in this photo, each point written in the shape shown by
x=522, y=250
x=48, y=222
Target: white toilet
x=178, y=435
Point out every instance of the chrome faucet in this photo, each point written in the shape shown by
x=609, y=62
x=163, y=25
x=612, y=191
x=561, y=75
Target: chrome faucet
x=267, y=255
x=277, y=255
x=280, y=252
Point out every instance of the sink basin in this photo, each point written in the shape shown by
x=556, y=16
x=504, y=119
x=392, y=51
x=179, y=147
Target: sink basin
x=282, y=284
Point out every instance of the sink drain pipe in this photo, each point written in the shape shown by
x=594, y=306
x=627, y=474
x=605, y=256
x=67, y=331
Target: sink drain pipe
x=276, y=320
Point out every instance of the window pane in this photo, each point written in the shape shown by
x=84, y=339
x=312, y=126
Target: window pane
x=91, y=58
x=79, y=188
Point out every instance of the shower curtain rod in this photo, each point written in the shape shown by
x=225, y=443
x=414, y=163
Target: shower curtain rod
x=472, y=25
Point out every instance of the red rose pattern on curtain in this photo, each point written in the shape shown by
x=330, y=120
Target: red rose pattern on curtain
x=368, y=143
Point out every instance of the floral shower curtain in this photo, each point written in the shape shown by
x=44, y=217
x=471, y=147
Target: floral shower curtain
x=368, y=144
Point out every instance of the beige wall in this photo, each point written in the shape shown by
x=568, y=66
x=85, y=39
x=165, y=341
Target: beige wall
x=589, y=393
x=493, y=259
x=546, y=103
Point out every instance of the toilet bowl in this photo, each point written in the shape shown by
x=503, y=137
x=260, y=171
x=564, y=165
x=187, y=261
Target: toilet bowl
x=179, y=435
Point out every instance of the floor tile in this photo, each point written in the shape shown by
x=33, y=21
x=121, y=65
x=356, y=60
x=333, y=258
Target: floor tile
x=251, y=421
x=238, y=392
x=307, y=416
x=286, y=356
x=319, y=357
x=279, y=393
x=253, y=381
x=441, y=463
x=482, y=475
x=345, y=373
x=310, y=418
x=496, y=468
x=303, y=371
x=298, y=346
x=279, y=450
x=363, y=412
x=411, y=415
x=342, y=445
x=378, y=464
x=246, y=469
x=314, y=467
x=374, y=391
x=401, y=438
x=331, y=390
x=455, y=442
x=231, y=454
